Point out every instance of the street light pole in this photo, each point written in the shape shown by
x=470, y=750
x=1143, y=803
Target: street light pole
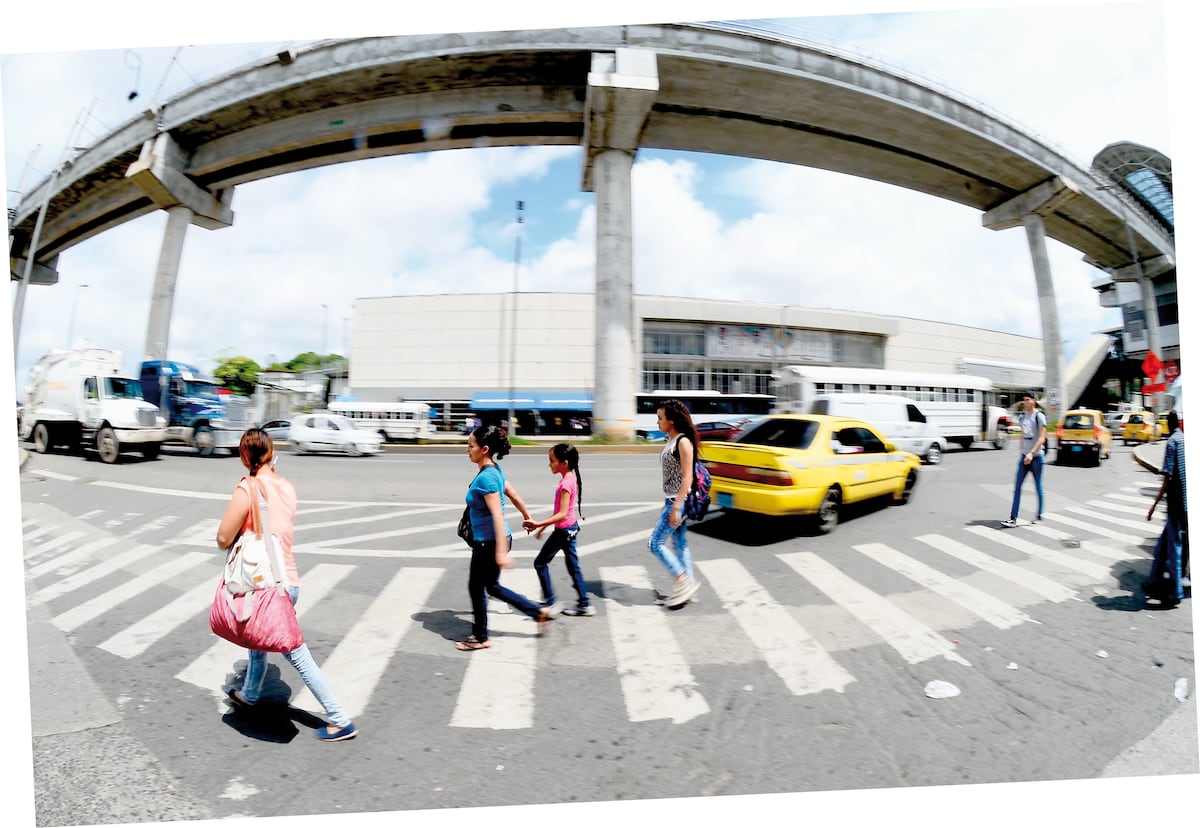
x=512, y=339
x=71, y=325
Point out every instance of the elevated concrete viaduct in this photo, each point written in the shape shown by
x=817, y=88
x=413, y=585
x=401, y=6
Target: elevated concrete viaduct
x=613, y=90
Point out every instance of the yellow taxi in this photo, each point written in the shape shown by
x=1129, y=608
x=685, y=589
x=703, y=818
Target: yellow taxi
x=1082, y=435
x=1141, y=427
x=807, y=464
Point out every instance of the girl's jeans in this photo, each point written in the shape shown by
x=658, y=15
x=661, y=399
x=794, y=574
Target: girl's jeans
x=680, y=562
x=563, y=539
x=483, y=581
x=1035, y=466
x=306, y=666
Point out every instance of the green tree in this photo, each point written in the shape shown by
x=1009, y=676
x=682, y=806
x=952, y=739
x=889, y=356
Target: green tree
x=238, y=374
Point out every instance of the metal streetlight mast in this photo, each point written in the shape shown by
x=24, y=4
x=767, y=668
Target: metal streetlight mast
x=71, y=325
x=512, y=338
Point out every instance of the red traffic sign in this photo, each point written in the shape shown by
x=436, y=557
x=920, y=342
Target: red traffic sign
x=1153, y=387
x=1170, y=370
x=1151, y=365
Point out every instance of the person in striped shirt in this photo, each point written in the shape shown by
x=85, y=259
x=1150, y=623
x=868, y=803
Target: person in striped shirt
x=1167, y=574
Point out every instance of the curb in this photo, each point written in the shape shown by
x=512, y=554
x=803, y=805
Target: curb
x=1146, y=462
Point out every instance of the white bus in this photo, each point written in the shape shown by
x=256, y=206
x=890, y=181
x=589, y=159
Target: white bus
x=705, y=407
x=960, y=405
x=392, y=420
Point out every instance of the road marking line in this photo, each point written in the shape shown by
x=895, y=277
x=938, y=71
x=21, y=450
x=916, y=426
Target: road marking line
x=202, y=533
x=1143, y=524
x=1095, y=547
x=389, y=515
x=34, y=535
x=1048, y=588
x=497, y=690
x=1129, y=510
x=79, y=615
x=54, y=475
x=130, y=487
x=1092, y=570
x=795, y=656
x=357, y=663
x=914, y=641
x=1096, y=530
x=97, y=572
x=139, y=636
x=990, y=609
x=655, y=679
x=82, y=553
x=1142, y=499
x=213, y=666
x=54, y=543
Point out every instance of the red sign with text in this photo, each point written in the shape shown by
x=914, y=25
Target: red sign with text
x=1153, y=387
x=1170, y=370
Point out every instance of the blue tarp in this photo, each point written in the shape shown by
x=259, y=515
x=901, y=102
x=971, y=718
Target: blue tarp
x=532, y=401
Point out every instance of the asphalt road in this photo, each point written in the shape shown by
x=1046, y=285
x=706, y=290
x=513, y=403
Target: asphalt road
x=803, y=667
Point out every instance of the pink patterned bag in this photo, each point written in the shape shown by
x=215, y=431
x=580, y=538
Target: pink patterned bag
x=252, y=616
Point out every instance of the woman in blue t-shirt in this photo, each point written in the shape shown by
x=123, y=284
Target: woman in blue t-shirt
x=490, y=549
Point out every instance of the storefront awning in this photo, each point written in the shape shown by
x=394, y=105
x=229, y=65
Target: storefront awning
x=532, y=401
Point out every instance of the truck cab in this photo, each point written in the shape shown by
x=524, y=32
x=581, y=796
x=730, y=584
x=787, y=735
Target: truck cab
x=196, y=414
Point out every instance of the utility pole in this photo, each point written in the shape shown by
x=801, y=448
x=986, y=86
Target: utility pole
x=512, y=338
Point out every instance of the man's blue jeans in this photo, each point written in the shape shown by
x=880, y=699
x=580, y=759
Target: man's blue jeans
x=1034, y=467
x=306, y=666
x=1167, y=569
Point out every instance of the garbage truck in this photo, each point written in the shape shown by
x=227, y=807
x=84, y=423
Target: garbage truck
x=197, y=413
x=77, y=399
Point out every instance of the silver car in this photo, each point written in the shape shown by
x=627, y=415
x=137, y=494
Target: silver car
x=322, y=431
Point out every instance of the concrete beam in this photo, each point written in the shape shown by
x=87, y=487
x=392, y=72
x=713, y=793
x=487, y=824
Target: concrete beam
x=1149, y=268
x=621, y=90
x=159, y=173
x=42, y=273
x=1041, y=199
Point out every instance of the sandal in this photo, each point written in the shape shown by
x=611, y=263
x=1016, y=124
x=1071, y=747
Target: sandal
x=235, y=696
x=472, y=643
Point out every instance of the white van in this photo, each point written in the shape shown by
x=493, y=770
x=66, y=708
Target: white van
x=900, y=420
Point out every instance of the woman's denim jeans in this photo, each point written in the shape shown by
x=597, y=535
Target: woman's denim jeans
x=563, y=539
x=306, y=666
x=681, y=561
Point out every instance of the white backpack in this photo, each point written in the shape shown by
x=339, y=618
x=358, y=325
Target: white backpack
x=254, y=560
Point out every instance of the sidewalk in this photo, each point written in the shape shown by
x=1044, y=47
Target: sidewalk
x=1150, y=455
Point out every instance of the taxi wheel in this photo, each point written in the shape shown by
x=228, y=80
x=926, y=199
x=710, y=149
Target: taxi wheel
x=910, y=483
x=827, y=515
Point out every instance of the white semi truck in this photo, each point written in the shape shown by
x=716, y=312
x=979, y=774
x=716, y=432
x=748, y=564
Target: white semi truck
x=78, y=399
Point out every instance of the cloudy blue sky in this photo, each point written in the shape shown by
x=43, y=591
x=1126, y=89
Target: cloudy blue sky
x=704, y=226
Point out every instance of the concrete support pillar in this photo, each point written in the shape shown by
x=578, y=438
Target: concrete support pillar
x=622, y=86
x=1027, y=209
x=1056, y=396
x=160, y=172
x=613, y=408
x=166, y=275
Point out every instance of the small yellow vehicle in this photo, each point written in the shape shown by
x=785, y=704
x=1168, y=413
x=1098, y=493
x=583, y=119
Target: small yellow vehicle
x=1141, y=427
x=1082, y=435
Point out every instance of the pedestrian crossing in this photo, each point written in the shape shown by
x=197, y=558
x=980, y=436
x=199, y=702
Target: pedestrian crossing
x=91, y=583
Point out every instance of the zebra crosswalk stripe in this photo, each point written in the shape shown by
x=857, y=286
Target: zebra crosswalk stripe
x=992, y=610
x=1144, y=526
x=82, y=553
x=914, y=641
x=80, y=614
x=1140, y=511
x=497, y=689
x=1092, y=570
x=357, y=663
x=95, y=573
x=1096, y=530
x=52, y=544
x=143, y=634
x=1048, y=588
x=1098, y=548
x=795, y=656
x=655, y=680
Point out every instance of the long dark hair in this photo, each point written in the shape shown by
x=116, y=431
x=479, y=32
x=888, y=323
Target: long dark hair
x=678, y=415
x=256, y=449
x=568, y=454
x=494, y=438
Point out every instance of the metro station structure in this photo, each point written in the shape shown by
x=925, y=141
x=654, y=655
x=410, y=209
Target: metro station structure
x=611, y=90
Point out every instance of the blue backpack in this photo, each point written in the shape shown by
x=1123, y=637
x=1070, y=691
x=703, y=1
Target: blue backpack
x=695, y=505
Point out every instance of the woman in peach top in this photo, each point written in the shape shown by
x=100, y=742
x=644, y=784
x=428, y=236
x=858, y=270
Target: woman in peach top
x=257, y=451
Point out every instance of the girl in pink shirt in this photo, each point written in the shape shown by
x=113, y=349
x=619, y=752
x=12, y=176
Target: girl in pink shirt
x=564, y=461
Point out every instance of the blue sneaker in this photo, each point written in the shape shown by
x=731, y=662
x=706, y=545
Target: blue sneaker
x=336, y=734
